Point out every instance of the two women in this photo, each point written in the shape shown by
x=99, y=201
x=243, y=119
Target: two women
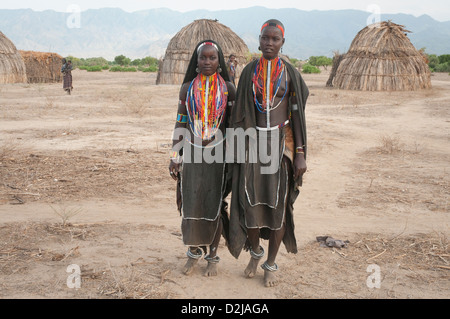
x=270, y=101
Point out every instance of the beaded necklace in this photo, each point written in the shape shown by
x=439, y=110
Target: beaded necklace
x=206, y=103
x=267, y=81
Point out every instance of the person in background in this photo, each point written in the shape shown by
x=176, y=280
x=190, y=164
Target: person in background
x=66, y=70
x=231, y=65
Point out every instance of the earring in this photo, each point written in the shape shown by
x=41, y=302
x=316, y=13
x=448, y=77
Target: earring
x=197, y=70
x=219, y=69
x=259, y=48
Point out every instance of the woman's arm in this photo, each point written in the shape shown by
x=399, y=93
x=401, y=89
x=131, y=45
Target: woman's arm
x=299, y=156
x=180, y=125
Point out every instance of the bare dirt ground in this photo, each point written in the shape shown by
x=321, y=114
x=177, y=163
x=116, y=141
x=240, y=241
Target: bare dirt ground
x=84, y=181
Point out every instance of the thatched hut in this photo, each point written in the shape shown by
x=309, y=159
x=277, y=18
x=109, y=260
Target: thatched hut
x=179, y=50
x=12, y=68
x=337, y=58
x=382, y=58
x=42, y=67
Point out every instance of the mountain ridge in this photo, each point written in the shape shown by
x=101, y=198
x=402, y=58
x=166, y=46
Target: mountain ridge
x=109, y=32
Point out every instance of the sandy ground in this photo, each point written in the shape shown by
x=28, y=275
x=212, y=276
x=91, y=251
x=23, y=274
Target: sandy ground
x=84, y=181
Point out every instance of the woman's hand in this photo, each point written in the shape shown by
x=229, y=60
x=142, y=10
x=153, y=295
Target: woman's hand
x=299, y=165
x=174, y=169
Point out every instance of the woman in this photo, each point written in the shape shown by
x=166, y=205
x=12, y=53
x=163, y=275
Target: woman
x=271, y=100
x=206, y=98
x=66, y=69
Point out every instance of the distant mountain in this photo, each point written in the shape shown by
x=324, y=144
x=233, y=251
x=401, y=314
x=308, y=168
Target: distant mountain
x=110, y=32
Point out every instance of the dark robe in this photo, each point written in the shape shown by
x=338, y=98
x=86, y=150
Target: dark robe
x=67, y=76
x=243, y=116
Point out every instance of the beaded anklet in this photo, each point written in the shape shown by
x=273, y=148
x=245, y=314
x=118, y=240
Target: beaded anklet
x=255, y=255
x=266, y=266
x=212, y=260
x=190, y=254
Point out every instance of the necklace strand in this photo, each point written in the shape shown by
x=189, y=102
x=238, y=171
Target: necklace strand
x=206, y=103
x=268, y=92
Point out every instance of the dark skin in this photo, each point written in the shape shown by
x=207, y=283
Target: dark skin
x=271, y=40
x=208, y=63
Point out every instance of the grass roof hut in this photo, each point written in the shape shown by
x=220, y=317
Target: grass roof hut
x=42, y=67
x=179, y=50
x=382, y=58
x=12, y=67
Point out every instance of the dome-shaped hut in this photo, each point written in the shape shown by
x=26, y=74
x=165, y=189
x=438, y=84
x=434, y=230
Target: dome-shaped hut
x=12, y=67
x=382, y=58
x=180, y=48
x=42, y=67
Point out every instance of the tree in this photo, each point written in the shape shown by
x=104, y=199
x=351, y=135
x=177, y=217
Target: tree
x=320, y=61
x=136, y=62
x=122, y=60
x=444, y=58
x=433, y=61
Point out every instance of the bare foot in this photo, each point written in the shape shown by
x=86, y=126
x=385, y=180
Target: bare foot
x=270, y=280
x=211, y=270
x=250, y=271
x=189, y=267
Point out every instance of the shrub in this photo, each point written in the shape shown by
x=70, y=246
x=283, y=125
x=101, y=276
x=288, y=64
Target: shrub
x=148, y=69
x=95, y=68
x=442, y=67
x=308, y=68
x=122, y=69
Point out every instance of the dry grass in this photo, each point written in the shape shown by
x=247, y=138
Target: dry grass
x=393, y=176
x=409, y=266
x=57, y=176
x=136, y=103
x=25, y=247
x=389, y=144
x=417, y=260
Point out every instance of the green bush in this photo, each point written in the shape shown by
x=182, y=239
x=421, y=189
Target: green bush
x=308, y=68
x=115, y=69
x=122, y=69
x=148, y=69
x=444, y=58
x=439, y=63
x=95, y=68
x=120, y=64
x=442, y=67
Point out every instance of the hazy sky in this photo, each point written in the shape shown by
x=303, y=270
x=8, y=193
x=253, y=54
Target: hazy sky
x=437, y=9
